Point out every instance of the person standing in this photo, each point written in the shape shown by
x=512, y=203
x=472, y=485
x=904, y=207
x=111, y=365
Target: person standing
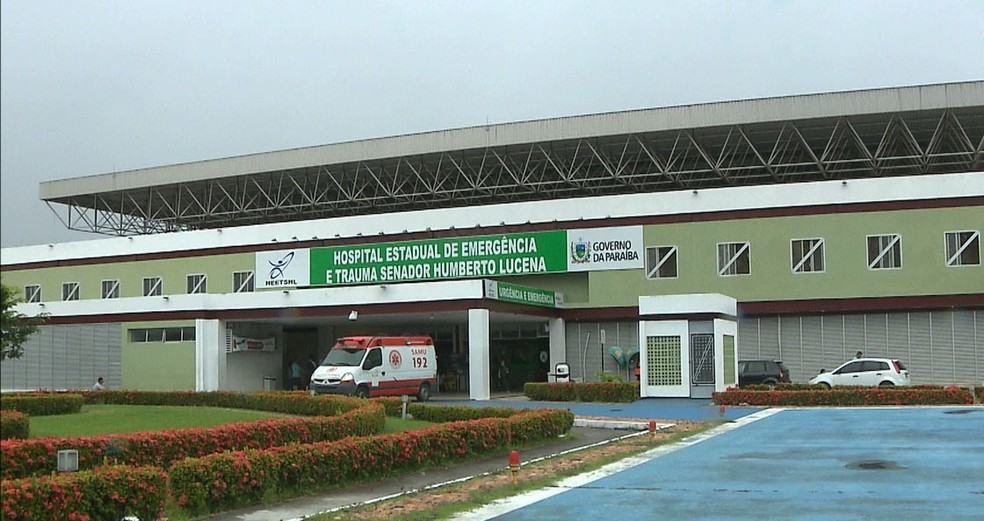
x=312, y=364
x=294, y=375
x=503, y=376
x=99, y=385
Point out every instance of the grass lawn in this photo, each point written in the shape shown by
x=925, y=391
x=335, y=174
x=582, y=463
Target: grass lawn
x=115, y=419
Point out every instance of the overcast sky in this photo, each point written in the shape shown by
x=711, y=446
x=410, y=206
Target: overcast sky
x=95, y=87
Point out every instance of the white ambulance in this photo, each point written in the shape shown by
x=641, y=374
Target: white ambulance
x=367, y=366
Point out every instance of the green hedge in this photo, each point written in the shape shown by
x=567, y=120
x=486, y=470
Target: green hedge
x=848, y=396
x=32, y=457
x=582, y=392
x=104, y=493
x=14, y=425
x=448, y=413
x=784, y=387
x=223, y=481
x=979, y=392
x=288, y=402
x=42, y=404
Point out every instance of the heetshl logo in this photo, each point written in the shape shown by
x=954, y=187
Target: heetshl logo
x=277, y=276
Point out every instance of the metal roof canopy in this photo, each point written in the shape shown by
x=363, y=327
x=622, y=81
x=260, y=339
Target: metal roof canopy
x=848, y=135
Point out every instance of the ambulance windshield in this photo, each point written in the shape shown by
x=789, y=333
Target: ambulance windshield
x=344, y=356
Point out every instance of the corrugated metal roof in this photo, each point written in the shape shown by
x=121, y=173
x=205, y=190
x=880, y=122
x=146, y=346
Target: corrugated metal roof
x=755, y=111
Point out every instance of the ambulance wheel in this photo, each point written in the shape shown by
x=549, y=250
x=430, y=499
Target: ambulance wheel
x=424, y=393
x=362, y=392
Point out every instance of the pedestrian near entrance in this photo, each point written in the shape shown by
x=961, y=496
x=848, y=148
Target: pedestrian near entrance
x=311, y=364
x=503, y=376
x=294, y=375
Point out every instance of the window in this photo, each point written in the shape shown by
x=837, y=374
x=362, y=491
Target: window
x=963, y=248
x=196, y=283
x=162, y=334
x=733, y=259
x=884, y=252
x=373, y=359
x=661, y=262
x=807, y=255
x=110, y=289
x=872, y=365
x=242, y=282
x=152, y=286
x=853, y=367
x=32, y=293
x=70, y=291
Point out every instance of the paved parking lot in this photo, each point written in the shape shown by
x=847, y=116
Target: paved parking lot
x=810, y=464
x=646, y=408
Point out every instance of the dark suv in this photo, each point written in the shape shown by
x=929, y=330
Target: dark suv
x=768, y=372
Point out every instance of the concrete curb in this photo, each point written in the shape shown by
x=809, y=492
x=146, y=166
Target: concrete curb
x=618, y=424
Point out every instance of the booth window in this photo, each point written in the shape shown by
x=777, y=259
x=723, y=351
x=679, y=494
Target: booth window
x=110, y=289
x=70, y=291
x=807, y=255
x=32, y=293
x=661, y=262
x=963, y=248
x=152, y=286
x=242, y=282
x=734, y=258
x=884, y=252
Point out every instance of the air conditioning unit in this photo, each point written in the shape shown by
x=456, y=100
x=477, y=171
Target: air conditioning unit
x=68, y=460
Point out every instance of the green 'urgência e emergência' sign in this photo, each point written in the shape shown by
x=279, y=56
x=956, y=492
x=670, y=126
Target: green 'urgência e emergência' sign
x=445, y=258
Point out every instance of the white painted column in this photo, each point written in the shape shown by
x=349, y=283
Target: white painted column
x=210, y=355
x=558, y=343
x=478, y=354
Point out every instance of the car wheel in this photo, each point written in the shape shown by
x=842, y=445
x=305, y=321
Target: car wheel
x=362, y=392
x=886, y=383
x=825, y=385
x=771, y=383
x=424, y=393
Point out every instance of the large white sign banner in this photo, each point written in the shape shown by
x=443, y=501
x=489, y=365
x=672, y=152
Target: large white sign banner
x=283, y=268
x=596, y=249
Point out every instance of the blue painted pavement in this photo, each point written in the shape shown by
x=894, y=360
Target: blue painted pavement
x=819, y=464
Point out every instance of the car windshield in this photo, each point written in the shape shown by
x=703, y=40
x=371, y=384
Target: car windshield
x=347, y=357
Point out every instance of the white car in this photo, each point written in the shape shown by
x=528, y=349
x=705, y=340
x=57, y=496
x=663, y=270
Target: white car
x=865, y=371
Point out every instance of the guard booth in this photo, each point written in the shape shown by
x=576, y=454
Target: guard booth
x=688, y=345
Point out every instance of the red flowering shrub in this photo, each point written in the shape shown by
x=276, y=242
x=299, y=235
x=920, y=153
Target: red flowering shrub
x=109, y=492
x=14, y=424
x=582, y=392
x=31, y=457
x=222, y=481
x=848, y=396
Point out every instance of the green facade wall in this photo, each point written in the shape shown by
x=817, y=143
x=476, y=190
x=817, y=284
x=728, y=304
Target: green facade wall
x=846, y=273
x=218, y=269
x=158, y=366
